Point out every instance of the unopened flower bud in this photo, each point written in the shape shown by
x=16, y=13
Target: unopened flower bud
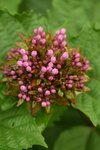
x=50, y=52
x=40, y=89
x=19, y=63
x=40, y=29
x=53, y=91
x=12, y=72
x=51, y=78
x=28, y=69
x=43, y=104
x=64, y=56
x=55, y=71
x=25, y=57
x=34, y=53
x=22, y=51
x=20, y=82
x=23, y=88
x=27, y=99
x=43, y=69
x=47, y=93
x=53, y=59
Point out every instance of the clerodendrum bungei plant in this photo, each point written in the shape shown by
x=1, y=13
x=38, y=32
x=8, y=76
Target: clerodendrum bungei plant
x=45, y=70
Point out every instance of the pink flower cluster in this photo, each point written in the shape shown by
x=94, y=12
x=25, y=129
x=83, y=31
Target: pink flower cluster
x=77, y=61
x=45, y=67
x=60, y=39
x=39, y=37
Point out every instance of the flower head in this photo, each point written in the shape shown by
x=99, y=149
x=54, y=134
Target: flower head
x=47, y=72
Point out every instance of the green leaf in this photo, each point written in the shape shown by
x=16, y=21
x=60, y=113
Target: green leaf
x=44, y=119
x=74, y=14
x=10, y=5
x=9, y=29
x=91, y=8
x=89, y=42
x=71, y=117
x=39, y=7
x=68, y=14
x=31, y=21
x=78, y=138
x=18, y=129
x=6, y=102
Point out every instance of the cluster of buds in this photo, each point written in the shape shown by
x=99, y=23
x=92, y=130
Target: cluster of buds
x=47, y=70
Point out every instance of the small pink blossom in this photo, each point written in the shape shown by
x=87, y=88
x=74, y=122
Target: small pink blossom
x=19, y=63
x=43, y=69
x=55, y=71
x=23, y=88
x=53, y=59
x=50, y=52
x=34, y=53
x=43, y=104
x=47, y=92
x=29, y=69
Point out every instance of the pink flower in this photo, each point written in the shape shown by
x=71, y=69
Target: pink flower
x=49, y=69
x=50, y=64
x=20, y=82
x=25, y=64
x=77, y=55
x=14, y=76
x=20, y=95
x=34, y=53
x=19, y=63
x=25, y=57
x=41, y=76
x=55, y=71
x=22, y=51
x=63, y=44
x=47, y=93
x=53, y=91
x=40, y=89
x=70, y=81
x=33, y=41
x=51, y=78
x=43, y=69
x=53, y=59
x=27, y=99
x=12, y=72
x=78, y=64
x=35, y=31
x=40, y=30
x=39, y=99
x=77, y=60
x=24, y=96
x=63, y=31
x=47, y=103
x=50, y=52
x=60, y=38
x=43, y=104
x=55, y=43
x=64, y=56
x=29, y=69
x=59, y=66
x=70, y=86
x=42, y=41
x=23, y=88
x=29, y=87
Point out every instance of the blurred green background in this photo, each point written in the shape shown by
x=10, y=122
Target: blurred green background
x=73, y=130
